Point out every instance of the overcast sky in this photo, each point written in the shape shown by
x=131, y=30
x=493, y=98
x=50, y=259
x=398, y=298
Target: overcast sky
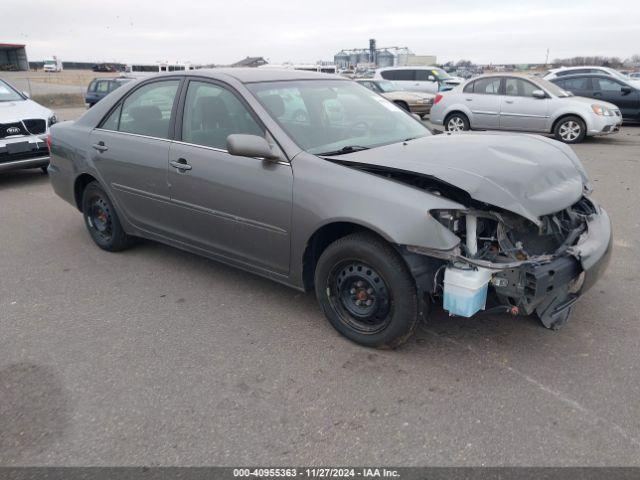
x=224, y=31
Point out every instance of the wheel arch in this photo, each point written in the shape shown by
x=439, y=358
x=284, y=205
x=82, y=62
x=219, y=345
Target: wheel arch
x=79, y=185
x=402, y=104
x=453, y=111
x=324, y=236
x=565, y=115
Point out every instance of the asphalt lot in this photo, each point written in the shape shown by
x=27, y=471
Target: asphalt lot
x=155, y=356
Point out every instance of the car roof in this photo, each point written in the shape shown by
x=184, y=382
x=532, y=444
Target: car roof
x=255, y=75
x=408, y=67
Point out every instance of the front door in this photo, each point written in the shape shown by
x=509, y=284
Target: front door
x=613, y=91
x=237, y=207
x=520, y=110
x=130, y=150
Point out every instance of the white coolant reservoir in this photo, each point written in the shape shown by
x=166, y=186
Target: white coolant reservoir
x=465, y=291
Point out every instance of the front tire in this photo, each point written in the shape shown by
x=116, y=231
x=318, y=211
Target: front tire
x=570, y=130
x=456, y=122
x=366, y=291
x=102, y=220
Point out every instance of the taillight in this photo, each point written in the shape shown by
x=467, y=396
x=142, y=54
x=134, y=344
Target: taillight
x=49, y=142
x=437, y=99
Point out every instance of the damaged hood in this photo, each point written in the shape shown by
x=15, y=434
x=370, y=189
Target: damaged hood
x=528, y=175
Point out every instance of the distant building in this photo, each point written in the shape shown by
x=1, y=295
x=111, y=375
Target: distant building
x=379, y=57
x=250, y=62
x=13, y=56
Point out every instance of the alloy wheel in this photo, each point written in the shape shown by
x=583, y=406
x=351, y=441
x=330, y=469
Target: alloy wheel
x=455, y=124
x=570, y=130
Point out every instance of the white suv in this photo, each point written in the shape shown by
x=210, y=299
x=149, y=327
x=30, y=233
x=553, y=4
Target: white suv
x=418, y=79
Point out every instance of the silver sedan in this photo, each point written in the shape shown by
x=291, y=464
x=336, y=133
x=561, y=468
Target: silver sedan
x=523, y=103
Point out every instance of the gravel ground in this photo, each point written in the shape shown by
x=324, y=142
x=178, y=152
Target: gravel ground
x=155, y=356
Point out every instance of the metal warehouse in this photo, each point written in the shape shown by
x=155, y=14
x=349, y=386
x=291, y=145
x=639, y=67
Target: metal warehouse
x=13, y=57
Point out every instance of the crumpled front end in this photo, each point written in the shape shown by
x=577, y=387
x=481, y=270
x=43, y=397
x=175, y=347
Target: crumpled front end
x=526, y=268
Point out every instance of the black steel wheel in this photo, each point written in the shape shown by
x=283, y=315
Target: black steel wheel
x=361, y=295
x=366, y=291
x=102, y=220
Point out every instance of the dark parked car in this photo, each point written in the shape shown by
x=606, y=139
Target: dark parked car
x=104, y=67
x=355, y=199
x=101, y=87
x=625, y=95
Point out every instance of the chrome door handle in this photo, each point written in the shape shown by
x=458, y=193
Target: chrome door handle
x=180, y=164
x=100, y=146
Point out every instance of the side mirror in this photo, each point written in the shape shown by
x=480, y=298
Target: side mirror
x=416, y=116
x=253, y=146
x=431, y=78
x=26, y=94
x=538, y=94
x=626, y=90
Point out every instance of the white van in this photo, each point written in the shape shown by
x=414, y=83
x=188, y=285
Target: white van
x=427, y=79
x=54, y=65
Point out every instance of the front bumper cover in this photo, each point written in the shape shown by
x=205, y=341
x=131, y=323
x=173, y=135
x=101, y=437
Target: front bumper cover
x=550, y=289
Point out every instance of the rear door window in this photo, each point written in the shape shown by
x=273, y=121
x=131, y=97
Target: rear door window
x=487, y=86
x=147, y=111
x=574, y=84
x=398, y=75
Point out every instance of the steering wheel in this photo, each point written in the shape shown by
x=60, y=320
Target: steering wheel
x=359, y=129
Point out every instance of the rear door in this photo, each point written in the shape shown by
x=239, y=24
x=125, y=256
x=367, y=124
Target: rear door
x=483, y=99
x=519, y=109
x=579, y=86
x=130, y=150
x=238, y=207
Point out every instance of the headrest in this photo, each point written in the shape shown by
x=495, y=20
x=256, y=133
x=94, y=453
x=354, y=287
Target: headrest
x=274, y=104
x=145, y=113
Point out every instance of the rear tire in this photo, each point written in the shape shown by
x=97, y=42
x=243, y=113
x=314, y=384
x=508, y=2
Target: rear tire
x=366, y=291
x=102, y=220
x=570, y=129
x=456, y=122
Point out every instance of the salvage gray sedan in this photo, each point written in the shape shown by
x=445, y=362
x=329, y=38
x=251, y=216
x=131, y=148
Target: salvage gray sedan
x=353, y=198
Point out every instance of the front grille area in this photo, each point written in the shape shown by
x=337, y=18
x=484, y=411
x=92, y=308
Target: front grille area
x=10, y=129
x=31, y=126
x=5, y=157
x=36, y=126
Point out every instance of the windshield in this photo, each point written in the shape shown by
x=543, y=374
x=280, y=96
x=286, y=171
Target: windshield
x=386, y=86
x=8, y=94
x=324, y=116
x=440, y=74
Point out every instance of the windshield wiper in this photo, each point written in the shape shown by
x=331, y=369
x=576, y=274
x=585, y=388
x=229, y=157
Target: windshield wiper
x=347, y=149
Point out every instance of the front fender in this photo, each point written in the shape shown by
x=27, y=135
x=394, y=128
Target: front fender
x=397, y=212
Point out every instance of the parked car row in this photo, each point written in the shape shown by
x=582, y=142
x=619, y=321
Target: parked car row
x=531, y=104
x=414, y=102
